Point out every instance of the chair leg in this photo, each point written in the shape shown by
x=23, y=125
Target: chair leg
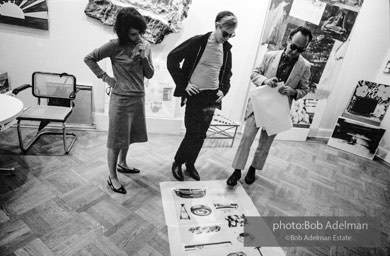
x=67, y=149
x=29, y=144
x=43, y=132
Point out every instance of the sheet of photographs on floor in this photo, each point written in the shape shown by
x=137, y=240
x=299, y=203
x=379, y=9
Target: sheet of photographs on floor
x=207, y=218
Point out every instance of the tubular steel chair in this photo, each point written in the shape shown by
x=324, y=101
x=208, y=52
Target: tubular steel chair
x=55, y=93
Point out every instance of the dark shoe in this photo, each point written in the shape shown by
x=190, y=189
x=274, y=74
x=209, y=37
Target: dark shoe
x=192, y=172
x=120, y=190
x=236, y=175
x=177, y=172
x=122, y=169
x=250, y=176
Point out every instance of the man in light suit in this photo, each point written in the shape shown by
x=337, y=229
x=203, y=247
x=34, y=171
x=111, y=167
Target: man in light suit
x=285, y=65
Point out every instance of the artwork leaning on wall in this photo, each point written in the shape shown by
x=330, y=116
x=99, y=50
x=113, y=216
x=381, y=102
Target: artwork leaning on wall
x=163, y=17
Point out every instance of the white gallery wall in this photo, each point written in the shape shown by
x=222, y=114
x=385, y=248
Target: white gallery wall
x=364, y=60
x=384, y=146
x=72, y=35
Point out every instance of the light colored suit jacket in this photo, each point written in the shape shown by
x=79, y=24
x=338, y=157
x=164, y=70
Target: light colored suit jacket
x=298, y=79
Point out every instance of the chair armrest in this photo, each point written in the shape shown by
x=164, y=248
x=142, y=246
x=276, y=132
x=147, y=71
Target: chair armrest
x=20, y=88
x=72, y=95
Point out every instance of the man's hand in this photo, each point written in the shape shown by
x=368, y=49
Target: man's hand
x=287, y=90
x=271, y=82
x=192, y=89
x=220, y=96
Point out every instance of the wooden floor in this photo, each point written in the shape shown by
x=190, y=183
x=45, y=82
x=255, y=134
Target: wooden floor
x=61, y=205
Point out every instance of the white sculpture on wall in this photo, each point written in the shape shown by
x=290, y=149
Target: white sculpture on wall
x=163, y=16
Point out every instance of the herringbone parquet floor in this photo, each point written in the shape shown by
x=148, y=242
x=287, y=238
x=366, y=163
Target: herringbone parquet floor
x=61, y=205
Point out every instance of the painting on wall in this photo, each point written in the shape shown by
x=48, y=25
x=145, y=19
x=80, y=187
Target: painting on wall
x=159, y=100
x=337, y=22
x=356, y=137
x=353, y=5
x=276, y=23
x=386, y=70
x=163, y=17
x=4, y=85
x=369, y=101
x=308, y=10
x=27, y=13
x=317, y=53
x=330, y=21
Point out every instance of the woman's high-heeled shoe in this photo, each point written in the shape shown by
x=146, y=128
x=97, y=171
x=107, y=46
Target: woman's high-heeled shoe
x=120, y=190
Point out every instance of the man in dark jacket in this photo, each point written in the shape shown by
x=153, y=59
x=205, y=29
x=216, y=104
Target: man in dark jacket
x=201, y=81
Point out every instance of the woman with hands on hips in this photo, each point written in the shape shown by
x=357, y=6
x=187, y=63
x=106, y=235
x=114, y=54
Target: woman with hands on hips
x=131, y=61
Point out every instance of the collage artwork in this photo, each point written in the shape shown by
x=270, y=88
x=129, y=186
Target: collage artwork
x=331, y=22
x=207, y=218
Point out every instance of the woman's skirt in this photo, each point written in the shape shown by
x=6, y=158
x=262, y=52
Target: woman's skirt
x=127, y=122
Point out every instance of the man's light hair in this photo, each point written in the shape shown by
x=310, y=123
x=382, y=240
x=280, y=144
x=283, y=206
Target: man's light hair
x=228, y=22
x=226, y=19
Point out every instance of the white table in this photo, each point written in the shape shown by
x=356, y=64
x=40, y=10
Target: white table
x=10, y=109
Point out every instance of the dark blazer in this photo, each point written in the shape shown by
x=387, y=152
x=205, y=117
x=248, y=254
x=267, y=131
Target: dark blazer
x=190, y=53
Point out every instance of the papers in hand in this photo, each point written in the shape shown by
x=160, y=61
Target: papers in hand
x=271, y=109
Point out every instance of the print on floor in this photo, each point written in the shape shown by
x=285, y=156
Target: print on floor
x=215, y=225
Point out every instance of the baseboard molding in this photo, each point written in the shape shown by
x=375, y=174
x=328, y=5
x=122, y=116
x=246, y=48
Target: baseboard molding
x=293, y=134
x=320, y=133
x=302, y=134
x=383, y=154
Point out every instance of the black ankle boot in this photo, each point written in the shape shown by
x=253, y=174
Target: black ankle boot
x=250, y=176
x=236, y=175
x=192, y=172
x=177, y=172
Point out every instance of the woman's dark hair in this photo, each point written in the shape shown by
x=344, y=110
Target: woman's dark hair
x=128, y=17
x=304, y=31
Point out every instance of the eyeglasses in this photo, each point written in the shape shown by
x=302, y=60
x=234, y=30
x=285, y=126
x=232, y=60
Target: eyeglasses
x=226, y=34
x=294, y=47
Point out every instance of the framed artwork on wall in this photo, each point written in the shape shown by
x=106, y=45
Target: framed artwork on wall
x=356, y=137
x=331, y=22
x=369, y=102
x=4, y=85
x=337, y=22
x=387, y=68
x=26, y=13
x=162, y=17
x=353, y=5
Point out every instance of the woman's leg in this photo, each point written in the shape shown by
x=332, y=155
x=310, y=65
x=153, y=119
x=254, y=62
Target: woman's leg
x=122, y=158
x=112, y=158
